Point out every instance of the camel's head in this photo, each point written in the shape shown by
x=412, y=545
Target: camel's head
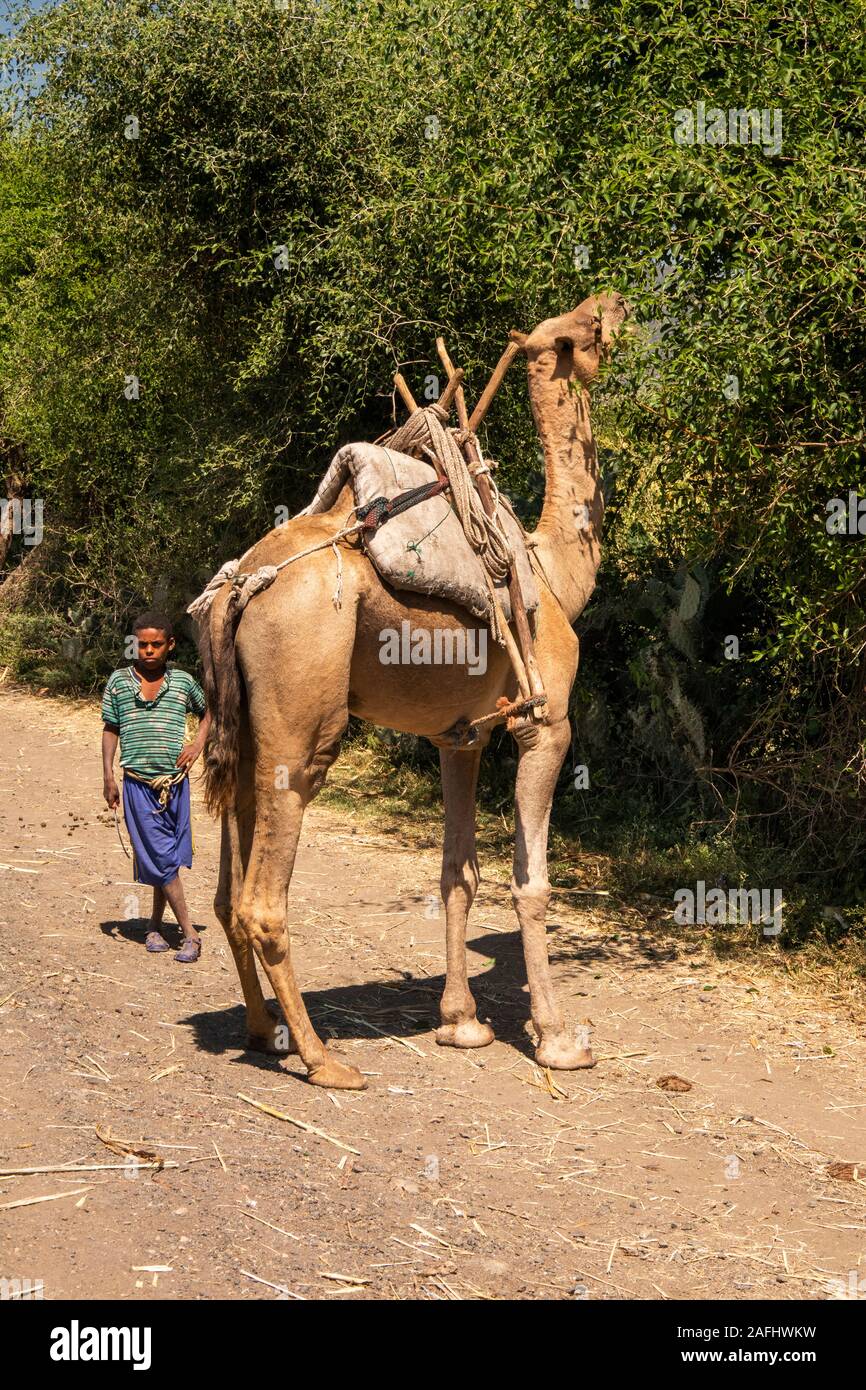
x=580, y=339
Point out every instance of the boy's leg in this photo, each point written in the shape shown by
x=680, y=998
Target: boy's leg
x=179, y=824
x=175, y=895
x=155, y=939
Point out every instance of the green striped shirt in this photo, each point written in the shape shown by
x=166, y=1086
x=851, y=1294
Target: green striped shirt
x=151, y=731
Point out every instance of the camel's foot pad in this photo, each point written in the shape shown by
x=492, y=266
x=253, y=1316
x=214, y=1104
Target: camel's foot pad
x=337, y=1076
x=471, y=1033
x=564, y=1054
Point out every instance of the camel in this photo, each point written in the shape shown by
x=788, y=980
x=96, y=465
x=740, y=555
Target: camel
x=283, y=681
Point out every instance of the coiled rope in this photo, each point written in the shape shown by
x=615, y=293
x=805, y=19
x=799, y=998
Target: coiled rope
x=424, y=435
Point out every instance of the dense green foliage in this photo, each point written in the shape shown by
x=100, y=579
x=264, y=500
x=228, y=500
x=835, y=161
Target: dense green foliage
x=316, y=190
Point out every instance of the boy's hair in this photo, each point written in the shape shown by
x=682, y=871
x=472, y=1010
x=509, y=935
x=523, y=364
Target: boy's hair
x=155, y=620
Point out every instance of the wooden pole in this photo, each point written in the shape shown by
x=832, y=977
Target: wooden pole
x=450, y=390
x=513, y=650
x=513, y=350
x=445, y=399
x=408, y=398
x=459, y=395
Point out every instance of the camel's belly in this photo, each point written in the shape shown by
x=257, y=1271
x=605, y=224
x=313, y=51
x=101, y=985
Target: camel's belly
x=420, y=668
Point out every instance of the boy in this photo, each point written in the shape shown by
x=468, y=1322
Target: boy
x=145, y=705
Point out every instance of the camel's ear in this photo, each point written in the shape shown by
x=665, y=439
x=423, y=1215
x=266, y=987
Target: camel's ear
x=517, y=337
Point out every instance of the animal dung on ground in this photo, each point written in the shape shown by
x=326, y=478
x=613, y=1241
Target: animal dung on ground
x=673, y=1083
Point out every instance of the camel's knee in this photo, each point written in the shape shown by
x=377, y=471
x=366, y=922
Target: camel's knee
x=460, y=878
x=235, y=930
x=531, y=897
x=227, y=917
x=305, y=770
x=266, y=932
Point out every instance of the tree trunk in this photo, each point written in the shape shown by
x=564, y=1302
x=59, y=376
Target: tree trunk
x=13, y=468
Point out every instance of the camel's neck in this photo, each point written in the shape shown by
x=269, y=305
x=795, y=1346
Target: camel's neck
x=567, y=540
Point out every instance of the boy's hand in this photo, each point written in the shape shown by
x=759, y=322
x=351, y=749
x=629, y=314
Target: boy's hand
x=187, y=756
x=110, y=792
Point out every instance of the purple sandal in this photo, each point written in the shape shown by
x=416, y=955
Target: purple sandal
x=155, y=942
x=189, y=952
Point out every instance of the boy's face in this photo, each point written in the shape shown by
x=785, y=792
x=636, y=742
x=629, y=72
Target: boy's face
x=154, y=648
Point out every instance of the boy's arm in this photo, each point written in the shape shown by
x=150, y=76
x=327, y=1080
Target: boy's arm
x=187, y=756
x=109, y=748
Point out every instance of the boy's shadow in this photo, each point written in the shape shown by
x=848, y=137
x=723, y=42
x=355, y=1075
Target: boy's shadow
x=136, y=929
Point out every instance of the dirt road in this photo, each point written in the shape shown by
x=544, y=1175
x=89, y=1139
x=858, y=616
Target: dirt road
x=455, y=1175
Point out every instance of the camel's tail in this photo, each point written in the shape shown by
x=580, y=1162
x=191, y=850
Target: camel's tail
x=224, y=693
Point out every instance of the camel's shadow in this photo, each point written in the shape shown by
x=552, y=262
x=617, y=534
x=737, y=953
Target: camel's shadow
x=408, y=1006
x=399, y=1008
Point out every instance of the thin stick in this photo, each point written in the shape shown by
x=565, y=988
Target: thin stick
x=269, y=1224
x=280, y=1288
x=84, y=1168
x=513, y=350
x=300, y=1124
x=404, y=1042
x=87, y=1057
x=514, y=653
x=52, y=1197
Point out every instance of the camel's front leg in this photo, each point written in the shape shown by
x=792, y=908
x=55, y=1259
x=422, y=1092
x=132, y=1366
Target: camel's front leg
x=459, y=884
x=542, y=749
x=279, y=815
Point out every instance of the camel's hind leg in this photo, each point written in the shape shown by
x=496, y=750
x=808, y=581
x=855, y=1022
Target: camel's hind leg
x=264, y=1032
x=541, y=753
x=285, y=783
x=459, y=884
